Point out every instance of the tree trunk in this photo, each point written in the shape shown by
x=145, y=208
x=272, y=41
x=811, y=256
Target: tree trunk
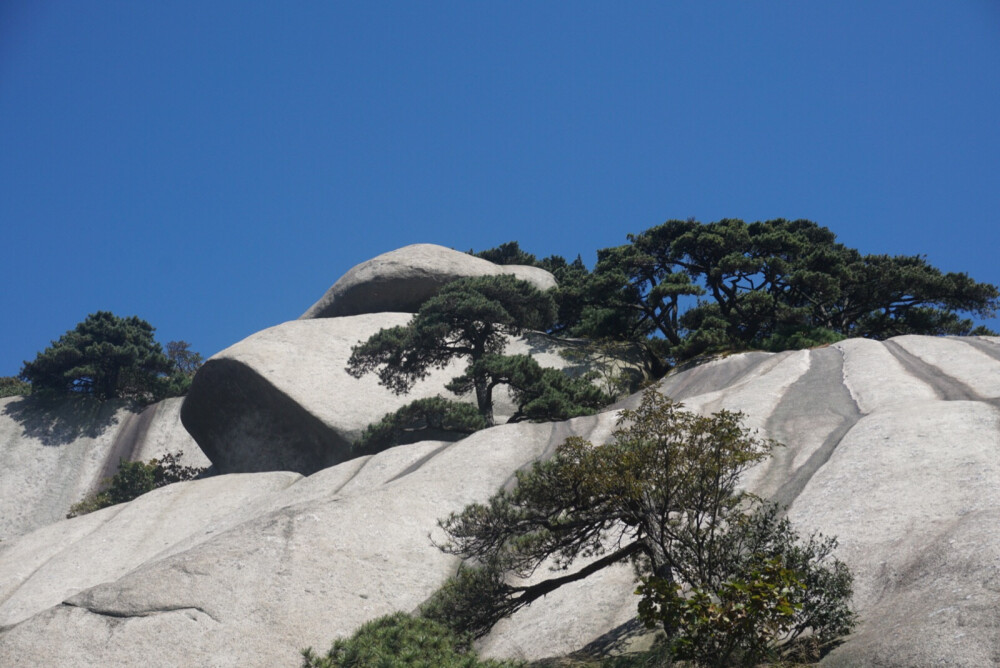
x=484, y=398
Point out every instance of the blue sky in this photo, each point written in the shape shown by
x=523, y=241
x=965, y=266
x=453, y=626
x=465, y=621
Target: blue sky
x=214, y=167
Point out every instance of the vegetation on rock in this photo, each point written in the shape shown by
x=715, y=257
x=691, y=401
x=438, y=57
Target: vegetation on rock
x=11, y=386
x=110, y=357
x=402, y=641
x=186, y=363
x=662, y=495
x=686, y=288
x=134, y=479
x=471, y=319
x=436, y=416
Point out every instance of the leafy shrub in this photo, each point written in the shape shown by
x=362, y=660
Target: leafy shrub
x=738, y=624
x=134, y=479
x=401, y=640
x=663, y=495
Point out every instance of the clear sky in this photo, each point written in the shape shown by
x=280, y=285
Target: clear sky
x=213, y=167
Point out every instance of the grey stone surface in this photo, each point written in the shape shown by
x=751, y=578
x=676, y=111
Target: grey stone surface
x=53, y=453
x=249, y=578
x=881, y=451
x=282, y=400
x=403, y=279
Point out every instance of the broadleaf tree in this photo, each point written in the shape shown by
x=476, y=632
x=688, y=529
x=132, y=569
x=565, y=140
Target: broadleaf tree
x=662, y=495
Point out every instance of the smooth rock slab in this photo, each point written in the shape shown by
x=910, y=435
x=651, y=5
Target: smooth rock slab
x=910, y=487
x=54, y=453
x=403, y=279
x=251, y=580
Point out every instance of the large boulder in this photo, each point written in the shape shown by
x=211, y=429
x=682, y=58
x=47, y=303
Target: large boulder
x=282, y=400
x=403, y=279
x=891, y=446
x=53, y=452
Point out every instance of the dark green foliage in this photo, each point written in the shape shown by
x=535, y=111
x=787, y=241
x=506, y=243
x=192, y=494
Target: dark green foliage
x=773, y=285
x=105, y=356
x=663, y=495
x=12, y=386
x=421, y=419
x=792, y=338
x=763, y=282
x=540, y=393
x=471, y=318
x=739, y=623
x=402, y=641
x=508, y=253
x=134, y=479
x=615, y=366
x=776, y=596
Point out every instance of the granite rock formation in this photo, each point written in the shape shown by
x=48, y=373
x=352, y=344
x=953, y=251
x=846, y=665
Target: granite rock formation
x=281, y=399
x=893, y=446
x=55, y=452
x=403, y=279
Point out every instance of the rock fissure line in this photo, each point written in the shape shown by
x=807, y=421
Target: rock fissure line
x=417, y=465
x=946, y=387
x=803, y=400
x=689, y=382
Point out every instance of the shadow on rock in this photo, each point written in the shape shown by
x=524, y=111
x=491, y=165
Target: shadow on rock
x=58, y=421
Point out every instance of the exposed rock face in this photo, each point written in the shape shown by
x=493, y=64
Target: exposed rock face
x=894, y=447
x=281, y=399
x=403, y=279
x=53, y=453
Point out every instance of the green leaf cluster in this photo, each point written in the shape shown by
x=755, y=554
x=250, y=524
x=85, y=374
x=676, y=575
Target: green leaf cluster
x=738, y=622
x=662, y=495
x=540, y=393
x=401, y=641
x=134, y=479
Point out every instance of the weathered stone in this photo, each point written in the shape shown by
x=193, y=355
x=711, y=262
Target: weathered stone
x=282, y=400
x=403, y=279
x=881, y=451
x=55, y=452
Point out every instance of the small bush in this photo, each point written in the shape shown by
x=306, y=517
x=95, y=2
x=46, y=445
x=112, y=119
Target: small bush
x=134, y=479
x=401, y=640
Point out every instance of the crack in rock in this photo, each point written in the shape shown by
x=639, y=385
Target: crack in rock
x=114, y=614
